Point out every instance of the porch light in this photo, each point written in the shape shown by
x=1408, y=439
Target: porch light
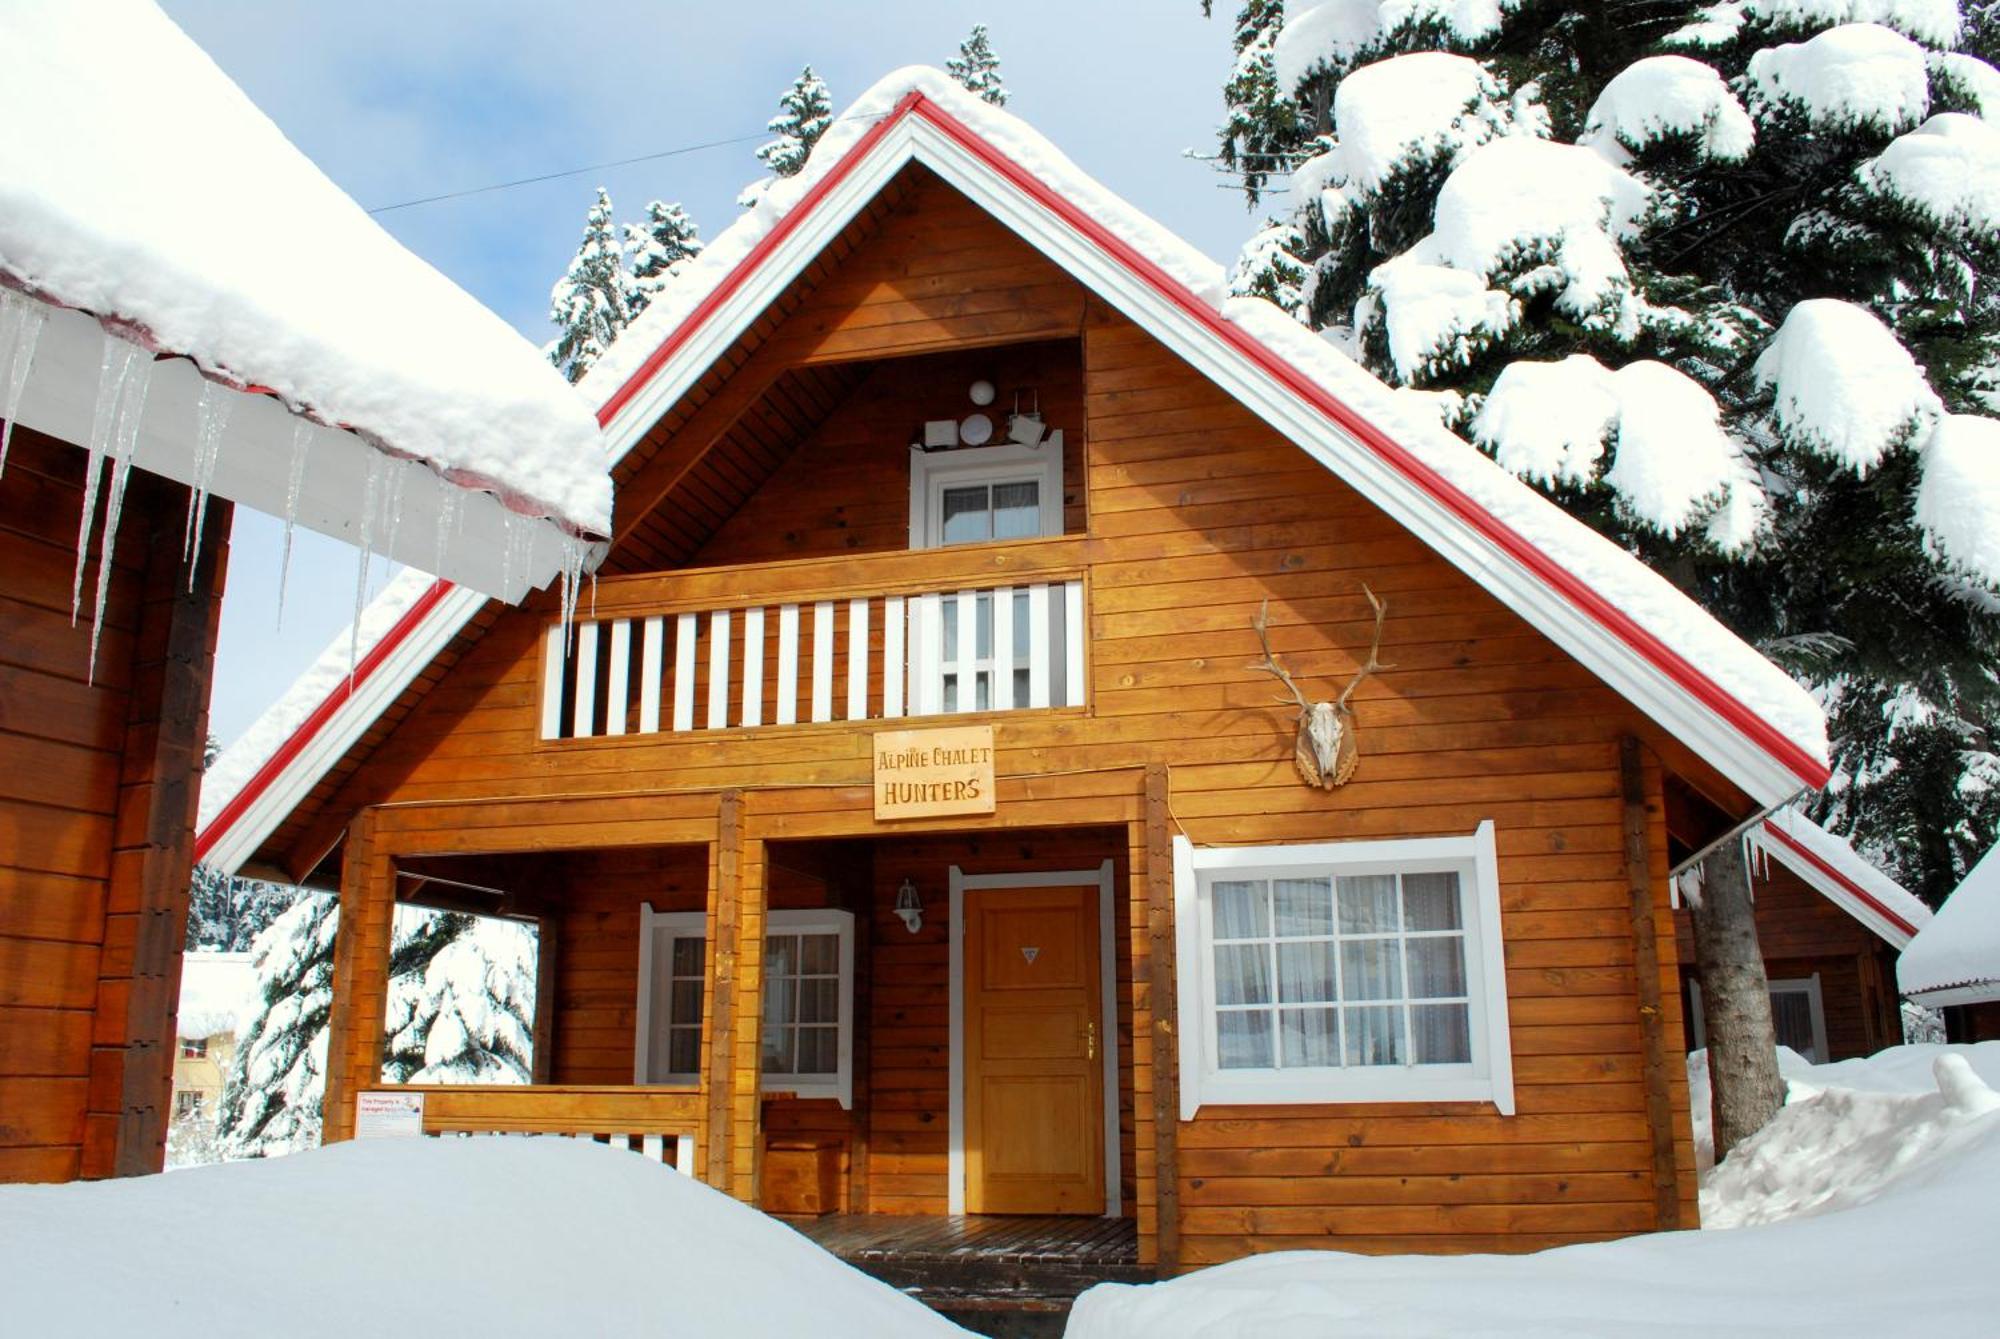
x=910, y=906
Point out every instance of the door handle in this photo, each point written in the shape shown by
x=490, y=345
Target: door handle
x=1089, y=1035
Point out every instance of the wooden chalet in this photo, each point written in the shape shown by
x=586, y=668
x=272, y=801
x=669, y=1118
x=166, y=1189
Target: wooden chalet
x=124, y=397
x=1831, y=927
x=1954, y=963
x=916, y=835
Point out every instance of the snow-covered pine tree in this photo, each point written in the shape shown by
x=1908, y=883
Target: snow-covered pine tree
x=228, y=913
x=1259, y=135
x=976, y=68
x=659, y=248
x=271, y=1095
x=1715, y=279
x=804, y=112
x=588, y=303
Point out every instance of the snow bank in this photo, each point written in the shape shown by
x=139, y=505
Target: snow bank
x=1961, y=945
x=1846, y=386
x=1856, y=74
x=1948, y=169
x=1846, y=1272
x=440, y=1238
x=1931, y=21
x=218, y=991
x=1959, y=494
x=138, y=183
x=1659, y=96
x=1549, y=422
x=232, y=770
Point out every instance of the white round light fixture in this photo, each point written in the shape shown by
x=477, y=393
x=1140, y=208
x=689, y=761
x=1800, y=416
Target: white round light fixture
x=982, y=392
x=976, y=430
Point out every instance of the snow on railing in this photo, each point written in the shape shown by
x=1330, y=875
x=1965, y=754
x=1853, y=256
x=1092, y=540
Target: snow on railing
x=858, y=658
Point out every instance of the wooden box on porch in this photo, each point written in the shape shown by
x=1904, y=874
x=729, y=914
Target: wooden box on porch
x=802, y=1176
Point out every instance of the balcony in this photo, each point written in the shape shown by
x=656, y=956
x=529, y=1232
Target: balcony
x=875, y=637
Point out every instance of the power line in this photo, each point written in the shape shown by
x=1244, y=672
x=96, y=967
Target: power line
x=593, y=167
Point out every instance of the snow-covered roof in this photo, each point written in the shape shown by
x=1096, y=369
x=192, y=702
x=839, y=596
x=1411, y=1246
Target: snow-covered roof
x=1604, y=606
x=1956, y=958
x=144, y=197
x=1839, y=873
x=217, y=991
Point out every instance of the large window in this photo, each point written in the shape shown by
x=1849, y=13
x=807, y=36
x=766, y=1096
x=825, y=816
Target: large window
x=808, y=1032
x=1350, y=972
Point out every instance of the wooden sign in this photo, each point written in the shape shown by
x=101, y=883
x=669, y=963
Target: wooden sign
x=928, y=773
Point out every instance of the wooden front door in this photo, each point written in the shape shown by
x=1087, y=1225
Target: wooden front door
x=1034, y=1076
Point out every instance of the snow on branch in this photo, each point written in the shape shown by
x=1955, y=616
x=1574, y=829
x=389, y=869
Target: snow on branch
x=1672, y=462
x=1958, y=502
x=1947, y=169
x=1662, y=96
x=1968, y=79
x=1859, y=74
x=1332, y=33
x=1934, y=22
x=1846, y=387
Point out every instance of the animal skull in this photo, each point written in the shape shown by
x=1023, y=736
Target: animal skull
x=1325, y=752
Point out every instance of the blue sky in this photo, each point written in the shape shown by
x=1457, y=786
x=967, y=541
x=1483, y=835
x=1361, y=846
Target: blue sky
x=408, y=99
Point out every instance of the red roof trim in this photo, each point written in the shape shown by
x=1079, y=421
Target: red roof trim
x=309, y=728
x=1861, y=894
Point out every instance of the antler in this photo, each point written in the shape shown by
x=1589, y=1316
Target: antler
x=1262, y=624
x=1374, y=648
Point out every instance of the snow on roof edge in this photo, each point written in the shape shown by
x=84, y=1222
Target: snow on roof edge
x=1652, y=602
x=1839, y=861
x=1960, y=948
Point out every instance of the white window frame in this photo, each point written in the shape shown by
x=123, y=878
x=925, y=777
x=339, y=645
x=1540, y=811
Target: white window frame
x=1490, y=1075
x=931, y=472
x=694, y=925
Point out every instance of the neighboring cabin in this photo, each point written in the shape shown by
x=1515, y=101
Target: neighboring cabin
x=216, y=990
x=159, y=330
x=1954, y=964
x=1831, y=926
x=1107, y=961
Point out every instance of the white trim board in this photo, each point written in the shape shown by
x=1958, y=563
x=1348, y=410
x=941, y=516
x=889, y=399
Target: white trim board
x=1107, y=980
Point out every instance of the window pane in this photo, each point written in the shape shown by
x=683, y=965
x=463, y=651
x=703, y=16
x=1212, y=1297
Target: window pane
x=819, y=955
x=966, y=517
x=819, y=1050
x=819, y=1001
x=779, y=1049
x=1442, y=1034
x=1430, y=901
x=1242, y=910
x=1371, y=969
x=780, y=1000
x=1374, y=1036
x=1304, y=906
x=781, y=955
x=1242, y=974
x=1309, y=1036
x=1791, y=1013
x=1368, y=904
x=1021, y=639
x=687, y=956
x=1305, y=973
x=1244, y=1039
x=1437, y=967
x=687, y=1002
x=982, y=625
x=684, y=1050
x=1016, y=510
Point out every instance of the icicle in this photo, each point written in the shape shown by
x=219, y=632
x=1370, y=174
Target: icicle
x=375, y=461
x=301, y=442
x=211, y=419
x=509, y=531
x=447, y=513
x=21, y=321
x=111, y=374
x=124, y=445
x=399, y=474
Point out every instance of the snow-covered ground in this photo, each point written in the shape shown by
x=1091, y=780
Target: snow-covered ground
x=1875, y=1196
x=439, y=1238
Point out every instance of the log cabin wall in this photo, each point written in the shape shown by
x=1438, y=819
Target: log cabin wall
x=97, y=793
x=1195, y=512
x=1801, y=933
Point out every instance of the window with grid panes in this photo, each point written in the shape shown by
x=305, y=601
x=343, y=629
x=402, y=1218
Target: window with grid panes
x=1363, y=971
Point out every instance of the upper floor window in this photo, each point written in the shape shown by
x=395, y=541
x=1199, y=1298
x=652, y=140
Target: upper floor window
x=193, y=1048
x=975, y=495
x=1342, y=972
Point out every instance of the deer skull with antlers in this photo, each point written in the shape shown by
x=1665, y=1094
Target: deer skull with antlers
x=1326, y=751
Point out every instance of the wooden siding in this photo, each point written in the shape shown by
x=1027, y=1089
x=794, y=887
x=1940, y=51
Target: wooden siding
x=96, y=807
x=1196, y=512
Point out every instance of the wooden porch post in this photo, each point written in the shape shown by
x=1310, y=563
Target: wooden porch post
x=360, y=976
x=719, y=1054
x=548, y=943
x=1646, y=967
x=747, y=1117
x=1166, y=1028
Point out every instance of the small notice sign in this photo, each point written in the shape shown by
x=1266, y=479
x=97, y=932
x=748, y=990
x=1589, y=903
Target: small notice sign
x=928, y=773
x=388, y=1115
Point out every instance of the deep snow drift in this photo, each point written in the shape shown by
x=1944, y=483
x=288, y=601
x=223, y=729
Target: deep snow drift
x=1889, y=1190
x=439, y=1238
